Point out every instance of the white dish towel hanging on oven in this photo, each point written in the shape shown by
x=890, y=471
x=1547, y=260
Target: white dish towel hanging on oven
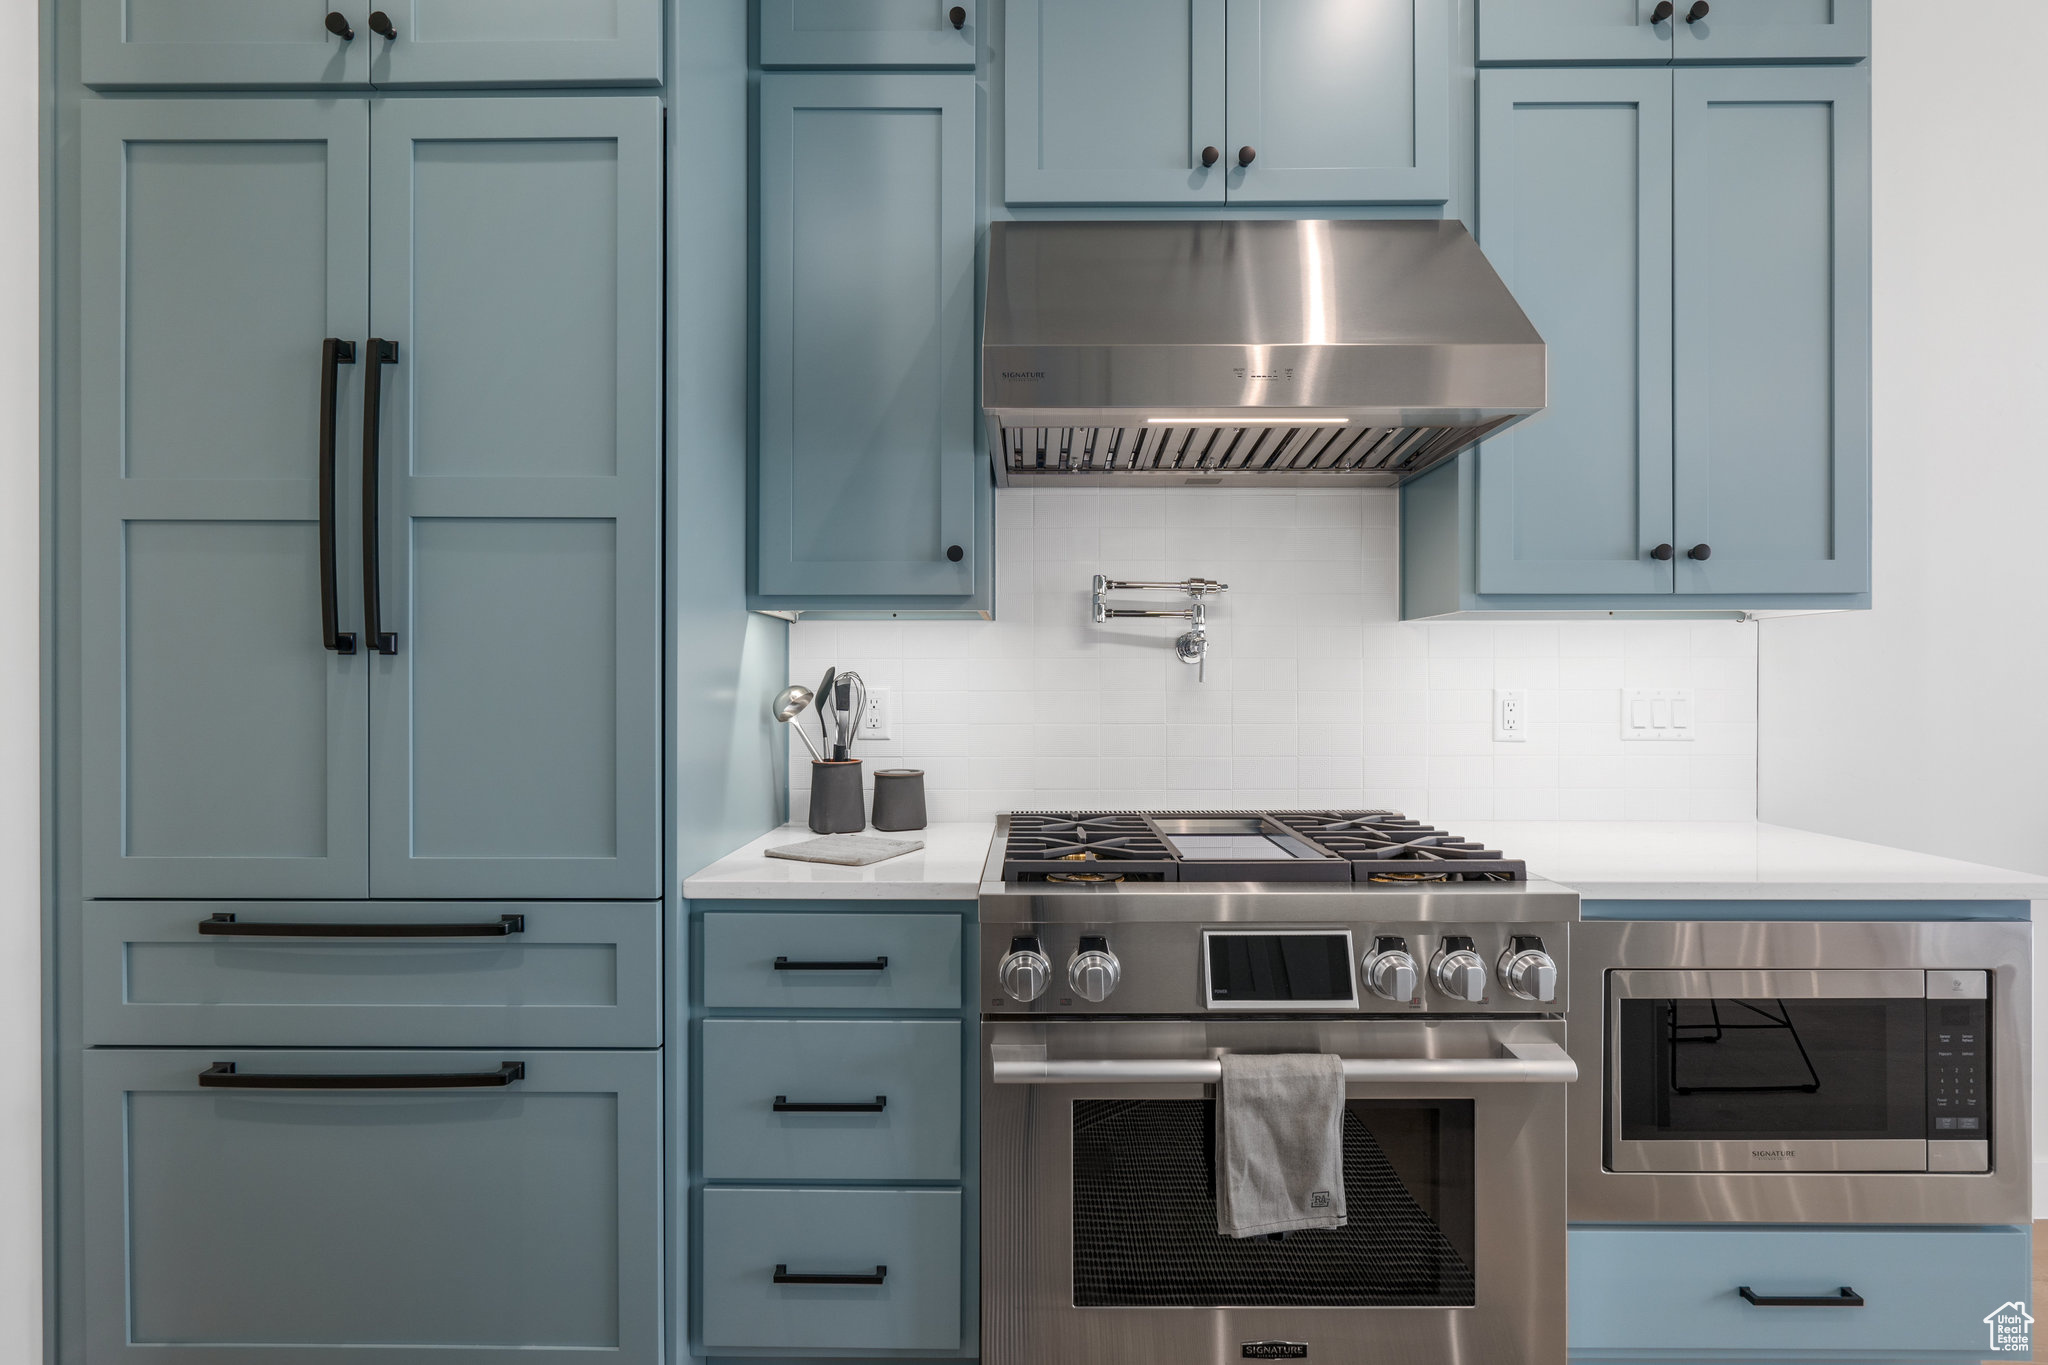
x=1279, y=1143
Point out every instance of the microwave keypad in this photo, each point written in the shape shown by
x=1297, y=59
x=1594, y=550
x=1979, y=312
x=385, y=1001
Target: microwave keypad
x=1958, y=1070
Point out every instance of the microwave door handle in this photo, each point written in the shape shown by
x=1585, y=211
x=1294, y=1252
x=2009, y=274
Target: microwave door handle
x=1525, y=1063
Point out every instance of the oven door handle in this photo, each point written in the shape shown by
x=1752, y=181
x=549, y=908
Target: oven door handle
x=1526, y=1063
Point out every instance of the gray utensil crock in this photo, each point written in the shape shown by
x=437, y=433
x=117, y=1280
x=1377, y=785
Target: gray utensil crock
x=899, y=798
x=836, y=804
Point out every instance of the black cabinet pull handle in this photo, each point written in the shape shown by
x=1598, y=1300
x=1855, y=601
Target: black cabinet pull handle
x=381, y=25
x=223, y=1076
x=1662, y=13
x=1701, y=551
x=227, y=926
x=338, y=26
x=1697, y=12
x=1661, y=552
x=782, y=1276
x=381, y=353
x=1845, y=1297
x=1246, y=155
x=334, y=353
x=783, y=964
x=957, y=16
x=783, y=1106
x=1210, y=156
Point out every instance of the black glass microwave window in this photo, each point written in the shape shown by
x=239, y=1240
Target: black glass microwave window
x=1145, y=1213
x=1818, y=1069
x=1279, y=967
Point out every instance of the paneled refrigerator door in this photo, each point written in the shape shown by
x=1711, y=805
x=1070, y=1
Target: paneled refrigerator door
x=516, y=307
x=224, y=265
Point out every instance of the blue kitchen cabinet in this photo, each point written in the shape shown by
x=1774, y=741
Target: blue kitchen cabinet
x=897, y=33
x=223, y=748
x=354, y=44
x=515, y=724
x=1238, y=101
x=515, y=1217
x=1617, y=31
x=1673, y=1293
x=1693, y=246
x=505, y=738
x=870, y=488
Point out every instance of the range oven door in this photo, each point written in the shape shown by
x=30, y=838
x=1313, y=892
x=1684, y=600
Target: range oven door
x=1880, y=1069
x=1099, y=1239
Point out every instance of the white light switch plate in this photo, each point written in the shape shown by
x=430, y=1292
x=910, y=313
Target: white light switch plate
x=1657, y=713
x=1510, y=715
x=874, y=721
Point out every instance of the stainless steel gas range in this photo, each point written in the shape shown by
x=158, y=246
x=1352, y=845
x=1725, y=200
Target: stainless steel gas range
x=1123, y=953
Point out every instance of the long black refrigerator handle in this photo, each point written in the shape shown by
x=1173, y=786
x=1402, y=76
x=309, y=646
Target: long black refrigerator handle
x=223, y=1076
x=334, y=353
x=381, y=353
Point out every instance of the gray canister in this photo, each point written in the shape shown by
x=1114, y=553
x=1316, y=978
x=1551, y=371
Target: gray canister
x=836, y=804
x=899, y=798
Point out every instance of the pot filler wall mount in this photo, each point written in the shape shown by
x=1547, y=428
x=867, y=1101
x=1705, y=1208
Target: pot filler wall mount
x=1329, y=354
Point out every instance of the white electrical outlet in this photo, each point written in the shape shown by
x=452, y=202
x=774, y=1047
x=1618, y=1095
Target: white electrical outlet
x=1657, y=713
x=874, y=719
x=1510, y=715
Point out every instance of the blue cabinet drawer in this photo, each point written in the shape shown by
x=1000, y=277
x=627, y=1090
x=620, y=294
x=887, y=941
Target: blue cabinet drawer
x=1677, y=1290
x=912, y=33
x=542, y=974
x=907, y=1240
x=903, y=1075
x=832, y=961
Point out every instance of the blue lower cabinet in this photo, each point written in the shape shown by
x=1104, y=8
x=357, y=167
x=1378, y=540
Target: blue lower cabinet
x=830, y=1271
x=874, y=1099
x=852, y=961
x=1676, y=1292
x=511, y=1216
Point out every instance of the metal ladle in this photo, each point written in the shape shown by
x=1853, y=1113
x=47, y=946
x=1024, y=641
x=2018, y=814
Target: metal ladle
x=791, y=702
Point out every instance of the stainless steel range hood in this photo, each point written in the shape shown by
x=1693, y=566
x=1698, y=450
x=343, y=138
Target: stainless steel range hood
x=1313, y=354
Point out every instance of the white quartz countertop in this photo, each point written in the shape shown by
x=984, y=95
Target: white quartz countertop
x=947, y=868
x=1656, y=860
x=1601, y=860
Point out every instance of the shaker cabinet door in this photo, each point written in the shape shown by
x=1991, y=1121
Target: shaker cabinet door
x=1575, y=31
x=224, y=43
x=1113, y=103
x=926, y=33
x=517, y=42
x=1772, y=306
x=1775, y=31
x=223, y=243
x=1575, y=215
x=1338, y=101
x=868, y=472
x=516, y=711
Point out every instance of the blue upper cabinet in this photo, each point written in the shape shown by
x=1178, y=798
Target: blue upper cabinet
x=353, y=44
x=1239, y=101
x=1114, y=103
x=906, y=33
x=223, y=243
x=1694, y=247
x=1772, y=299
x=1610, y=31
x=870, y=489
x=516, y=719
x=1338, y=101
x=1575, y=214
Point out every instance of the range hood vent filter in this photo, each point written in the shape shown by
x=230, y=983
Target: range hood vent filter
x=1243, y=455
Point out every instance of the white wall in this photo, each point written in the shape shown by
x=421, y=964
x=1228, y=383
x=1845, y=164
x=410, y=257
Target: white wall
x=21, y=1082
x=1316, y=695
x=1913, y=723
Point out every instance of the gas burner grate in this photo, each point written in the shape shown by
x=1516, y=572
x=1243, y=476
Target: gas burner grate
x=1402, y=849
x=1044, y=846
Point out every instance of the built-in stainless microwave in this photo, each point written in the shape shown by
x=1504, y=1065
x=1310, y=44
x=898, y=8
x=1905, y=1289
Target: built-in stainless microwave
x=1762, y=1071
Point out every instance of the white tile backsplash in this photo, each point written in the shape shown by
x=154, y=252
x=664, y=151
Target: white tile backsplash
x=1317, y=693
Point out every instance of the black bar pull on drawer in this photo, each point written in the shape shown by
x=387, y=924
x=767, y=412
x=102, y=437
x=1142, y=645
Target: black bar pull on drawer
x=1845, y=1297
x=783, y=964
x=783, y=1106
x=377, y=354
x=227, y=926
x=223, y=1076
x=334, y=353
x=782, y=1276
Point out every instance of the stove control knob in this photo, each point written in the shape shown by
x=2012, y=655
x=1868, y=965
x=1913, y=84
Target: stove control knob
x=1528, y=971
x=1390, y=970
x=1093, y=970
x=1458, y=970
x=1025, y=971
